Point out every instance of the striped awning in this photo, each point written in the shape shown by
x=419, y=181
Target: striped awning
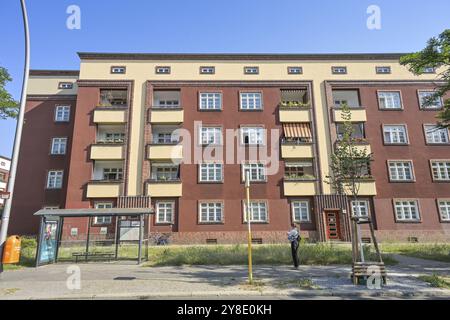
x=297, y=130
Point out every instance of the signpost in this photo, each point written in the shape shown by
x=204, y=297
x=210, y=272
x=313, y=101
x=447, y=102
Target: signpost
x=247, y=194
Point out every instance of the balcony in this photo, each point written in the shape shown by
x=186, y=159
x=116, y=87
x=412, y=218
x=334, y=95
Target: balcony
x=164, y=188
x=110, y=115
x=166, y=115
x=367, y=187
x=360, y=146
x=297, y=149
x=107, y=151
x=299, y=187
x=357, y=115
x=164, y=151
x=295, y=114
x=104, y=189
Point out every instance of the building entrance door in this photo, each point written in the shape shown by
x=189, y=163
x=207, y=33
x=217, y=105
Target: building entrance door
x=332, y=225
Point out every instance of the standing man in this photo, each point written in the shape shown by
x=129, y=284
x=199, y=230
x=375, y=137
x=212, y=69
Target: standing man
x=294, y=238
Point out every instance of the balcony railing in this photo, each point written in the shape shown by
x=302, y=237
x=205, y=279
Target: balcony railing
x=294, y=105
x=110, y=141
x=296, y=177
x=296, y=141
x=156, y=179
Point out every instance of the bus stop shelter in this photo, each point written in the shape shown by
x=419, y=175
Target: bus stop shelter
x=51, y=227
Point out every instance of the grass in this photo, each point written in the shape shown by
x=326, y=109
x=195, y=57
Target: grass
x=436, y=281
x=300, y=283
x=429, y=251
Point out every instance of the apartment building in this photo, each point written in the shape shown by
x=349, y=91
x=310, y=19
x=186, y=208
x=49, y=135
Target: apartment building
x=129, y=130
x=5, y=165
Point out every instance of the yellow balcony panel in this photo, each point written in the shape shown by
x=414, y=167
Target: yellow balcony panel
x=164, y=152
x=104, y=189
x=358, y=115
x=299, y=188
x=107, y=152
x=289, y=151
x=166, y=116
x=363, y=147
x=366, y=188
x=164, y=189
x=295, y=115
x=110, y=116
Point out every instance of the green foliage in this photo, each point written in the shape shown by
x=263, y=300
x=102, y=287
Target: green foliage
x=437, y=55
x=438, y=252
x=349, y=164
x=436, y=281
x=8, y=106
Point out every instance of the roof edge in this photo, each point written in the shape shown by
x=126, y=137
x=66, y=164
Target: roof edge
x=238, y=56
x=39, y=72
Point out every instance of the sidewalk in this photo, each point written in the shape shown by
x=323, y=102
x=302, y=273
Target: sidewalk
x=114, y=280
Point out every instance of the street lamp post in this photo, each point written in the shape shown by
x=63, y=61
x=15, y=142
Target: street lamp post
x=247, y=196
x=17, y=139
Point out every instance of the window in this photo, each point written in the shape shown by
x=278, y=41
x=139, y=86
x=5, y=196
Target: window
x=400, y=171
x=407, y=210
x=210, y=101
x=441, y=170
x=2, y=177
x=389, y=100
x=435, y=134
x=59, y=145
x=300, y=211
x=103, y=219
x=163, y=172
x=395, y=134
x=210, y=135
x=424, y=96
x=444, y=209
x=118, y=69
x=429, y=70
x=211, y=172
x=113, y=98
x=339, y=70
x=115, y=137
x=257, y=171
x=162, y=70
x=166, y=99
x=257, y=211
x=301, y=170
x=251, y=70
x=54, y=179
x=210, y=212
x=349, y=97
x=207, y=70
x=62, y=113
x=65, y=85
x=383, y=70
x=165, y=138
x=112, y=173
x=252, y=135
x=295, y=70
x=251, y=101
x=360, y=208
x=358, y=131
x=165, y=211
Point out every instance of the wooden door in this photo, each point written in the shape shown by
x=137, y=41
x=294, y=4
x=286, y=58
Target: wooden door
x=332, y=225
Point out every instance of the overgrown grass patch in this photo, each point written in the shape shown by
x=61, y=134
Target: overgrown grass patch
x=436, y=251
x=436, y=281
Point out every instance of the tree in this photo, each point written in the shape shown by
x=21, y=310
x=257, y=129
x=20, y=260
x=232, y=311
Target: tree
x=435, y=55
x=9, y=108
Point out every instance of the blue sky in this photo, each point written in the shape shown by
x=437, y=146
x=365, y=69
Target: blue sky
x=205, y=26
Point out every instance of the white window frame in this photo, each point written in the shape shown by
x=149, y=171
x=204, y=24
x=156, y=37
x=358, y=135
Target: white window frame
x=162, y=70
x=65, y=85
x=118, y=69
x=103, y=219
x=62, y=113
x=117, y=171
x=420, y=94
x=251, y=101
x=59, y=146
x=442, y=168
x=403, y=210
x=395, y=131
x=444, y=209
x=251, y=70
x=301, y=206
x=339, y=70
x=212, y=169
x=433, y=134
x=55, y=179
x=166, y=218
x=207, y=70
x=257, y=169
x=390, y=102
x=210, y=101
x=383, y=70
x=295, y=70
x=400, y=170
x=362, y=204
x=256, y=135
x=210, y=136
x=214, y=216
x=257, y=203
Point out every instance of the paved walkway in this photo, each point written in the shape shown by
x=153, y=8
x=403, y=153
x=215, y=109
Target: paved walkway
x=119, y=280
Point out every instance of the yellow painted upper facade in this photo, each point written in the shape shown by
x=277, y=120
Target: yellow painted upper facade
x=141, y=69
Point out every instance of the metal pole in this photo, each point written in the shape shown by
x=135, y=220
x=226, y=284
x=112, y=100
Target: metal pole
x=247, y=193
x=141, y=233
x=12, y=177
